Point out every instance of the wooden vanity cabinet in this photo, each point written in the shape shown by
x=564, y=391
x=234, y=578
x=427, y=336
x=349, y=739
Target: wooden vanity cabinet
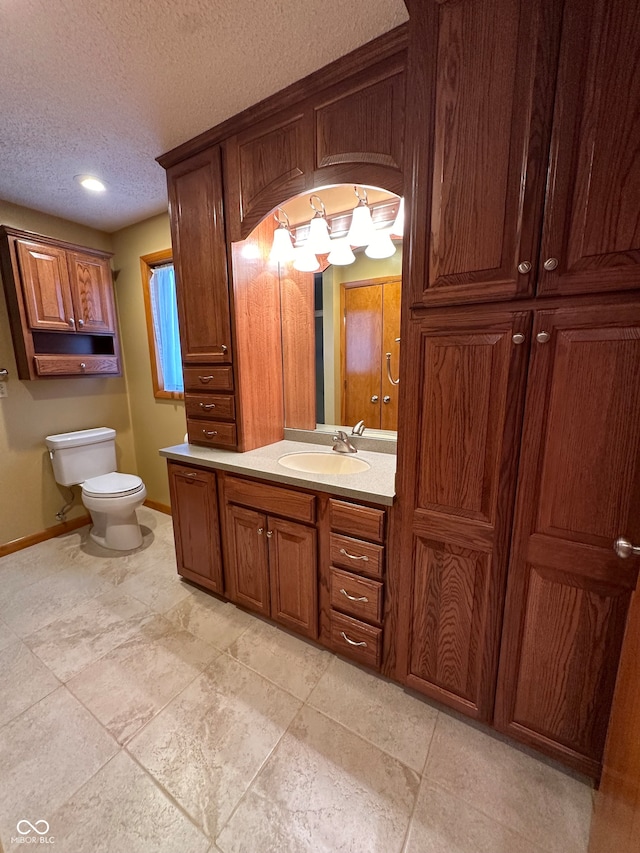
x=272, y=564
x=196, y=525
x=61, y=306
x=523, y=116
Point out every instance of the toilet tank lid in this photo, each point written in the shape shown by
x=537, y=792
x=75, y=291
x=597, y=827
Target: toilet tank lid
x=79, y=437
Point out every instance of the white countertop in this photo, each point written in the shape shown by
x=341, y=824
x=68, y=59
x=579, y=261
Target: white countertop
x=376, y=484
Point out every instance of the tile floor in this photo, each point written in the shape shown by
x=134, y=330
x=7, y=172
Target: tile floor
x=140, y=715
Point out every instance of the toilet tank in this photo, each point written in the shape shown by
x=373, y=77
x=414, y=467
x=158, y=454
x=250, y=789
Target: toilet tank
x=85, y=453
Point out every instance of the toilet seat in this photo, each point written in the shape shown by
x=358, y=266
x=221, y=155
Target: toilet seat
x=112, y=485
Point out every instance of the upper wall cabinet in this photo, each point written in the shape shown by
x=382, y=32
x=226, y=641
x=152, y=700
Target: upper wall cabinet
x=479, y=110
x=200, y=258
x=61, y=308
x=350, y=132
x=492, y=125
x=591, y=235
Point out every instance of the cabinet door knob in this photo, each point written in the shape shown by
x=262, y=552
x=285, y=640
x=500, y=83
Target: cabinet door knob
x=269, y=534
x=223, y=348
x=624, y=548
x=352, y=642
x=543, y=337
x=260, y=531
x=81, y=323
x=550, y=264
x=82, y=365
x=210, y=432
x=386, y=399
x=375, y=398
x=71, y=321
x=518, y=338
x=524, y=267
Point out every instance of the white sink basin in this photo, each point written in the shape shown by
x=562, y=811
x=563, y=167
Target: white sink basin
x=323, y=463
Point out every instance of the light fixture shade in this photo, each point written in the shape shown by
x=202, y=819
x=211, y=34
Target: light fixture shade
x=318, y=240
x=282, y=250
x=305, y=260
x=361, y=232
x=341, y=254
x=397, y=229
x=381, y=246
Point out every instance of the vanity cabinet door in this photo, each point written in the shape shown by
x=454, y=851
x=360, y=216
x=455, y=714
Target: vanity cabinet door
x=194, y=507
x=480, y=97
x=200, y=258
x=579, y=490
x=45, y=284
x=248, y=575
x=457, y=471
x=293, y=565
x=92, y=293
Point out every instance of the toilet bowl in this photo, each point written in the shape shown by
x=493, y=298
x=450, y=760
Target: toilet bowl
x=88, y=458
x=112, y=499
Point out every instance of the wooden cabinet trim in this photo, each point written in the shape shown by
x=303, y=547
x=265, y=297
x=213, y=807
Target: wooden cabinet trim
x=356, y=555
x=349, y=590
x=277, y=500
x=362, y=521
x=355, y=639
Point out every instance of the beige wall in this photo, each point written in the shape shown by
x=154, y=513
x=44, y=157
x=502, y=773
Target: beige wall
x=29, y=495
x=156, y=423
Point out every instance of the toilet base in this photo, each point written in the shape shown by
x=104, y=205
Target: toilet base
x=117, y=534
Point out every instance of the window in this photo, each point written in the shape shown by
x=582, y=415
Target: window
x=159, y=286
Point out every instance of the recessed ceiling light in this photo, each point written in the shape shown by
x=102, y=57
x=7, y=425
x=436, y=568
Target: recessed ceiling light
x=90, y=183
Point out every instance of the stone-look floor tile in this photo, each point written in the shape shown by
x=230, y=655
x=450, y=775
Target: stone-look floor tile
x=377, y=710
x=129, y=685
x=38, y=604
x=7, y=636
x=208, y=744
x=46, y=754
x=121, y=810
x=324, y=790
x=443, y=824
x=217, y=622
x=159, y=590
x=88, y=631
x=27, y=567
x=287, y=661
x=24, y=679
x=536, y=800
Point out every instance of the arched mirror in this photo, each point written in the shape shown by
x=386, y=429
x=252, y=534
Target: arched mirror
x=335, y=257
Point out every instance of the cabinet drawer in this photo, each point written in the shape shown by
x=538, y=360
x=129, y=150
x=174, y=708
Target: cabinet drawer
x=356, y=639
x=78, y=365
x=362, y=521
x=211, y=433
x=356, y=555
x=273, y=499
x=358, y=596
x=213, y=406
x=209, y=378
x=192, y=473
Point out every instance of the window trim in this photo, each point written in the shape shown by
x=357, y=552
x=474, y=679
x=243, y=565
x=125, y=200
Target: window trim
x=147, y=263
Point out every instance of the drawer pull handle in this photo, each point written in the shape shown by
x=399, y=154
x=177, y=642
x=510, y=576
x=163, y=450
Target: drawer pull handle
x=362, y=557
x=192, y=474
x=352, y=642
x=362, y=598
x=205, y=379
x=210, y=432
x=207, y=406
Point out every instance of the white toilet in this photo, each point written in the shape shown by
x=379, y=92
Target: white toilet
x=88, y=456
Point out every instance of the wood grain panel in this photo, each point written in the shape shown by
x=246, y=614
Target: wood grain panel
x=298, y=347
x=209, y=406
x=355, y=639
x=76, y=365
x=361, y=354
x=357, y=596
x=200, y=258
x=211, y=433
x=391, y=301
x=45, y=286
x=364, y=522
x=294, y=576
x=208, y=378
x=591, y=222
x=356, y=555
x=92, y=293
x=449, y=601
x=363, y=126
x=565, y=681
x=281, y=501
x=248, y=565
x=481, y=148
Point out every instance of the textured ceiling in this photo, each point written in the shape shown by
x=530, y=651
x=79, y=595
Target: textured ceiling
x=105, y=86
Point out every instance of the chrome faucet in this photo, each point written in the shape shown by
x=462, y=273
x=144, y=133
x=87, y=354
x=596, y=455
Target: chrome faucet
x=358, y=428
x=341, y=443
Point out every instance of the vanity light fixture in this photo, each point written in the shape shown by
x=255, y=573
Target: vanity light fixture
x=341, y=254
x=282, y=250
x=381, y=246
x=318, y=240
x=361, y=232
x=90, y=183
x=397, y=229
x=305, y=260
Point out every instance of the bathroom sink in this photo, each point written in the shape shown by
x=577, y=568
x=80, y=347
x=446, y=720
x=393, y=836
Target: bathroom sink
x=323, y=463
